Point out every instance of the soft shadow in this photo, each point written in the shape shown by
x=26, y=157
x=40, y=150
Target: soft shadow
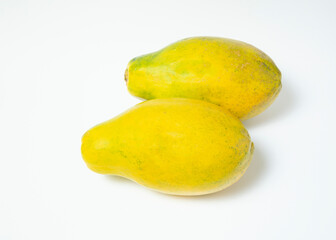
x=119, y=179
x=283, y=104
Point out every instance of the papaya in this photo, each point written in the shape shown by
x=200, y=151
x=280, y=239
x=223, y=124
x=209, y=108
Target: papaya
x=226, y=72
x=175, y=146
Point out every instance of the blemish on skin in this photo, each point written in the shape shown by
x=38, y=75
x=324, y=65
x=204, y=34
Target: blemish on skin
x=264, y=64
x=237, y=53
x=244, y=65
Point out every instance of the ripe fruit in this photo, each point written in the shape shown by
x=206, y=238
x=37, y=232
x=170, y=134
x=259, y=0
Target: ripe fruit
x=175, y=146
x=226, y=72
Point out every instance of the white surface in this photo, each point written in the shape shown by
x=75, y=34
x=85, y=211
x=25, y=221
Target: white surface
x=61, y=72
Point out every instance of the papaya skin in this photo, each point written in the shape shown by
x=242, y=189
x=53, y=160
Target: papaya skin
x=175, y=146
x=226, y=72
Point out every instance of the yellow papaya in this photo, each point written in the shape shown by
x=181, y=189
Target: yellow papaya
x=226, y=72
x=175, y=146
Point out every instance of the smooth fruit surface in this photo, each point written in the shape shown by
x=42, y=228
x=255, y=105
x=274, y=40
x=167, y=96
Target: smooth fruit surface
x=175, y=146
x=225, y=72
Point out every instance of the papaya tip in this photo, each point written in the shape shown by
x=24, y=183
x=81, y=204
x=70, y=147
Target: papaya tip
x=126, y=75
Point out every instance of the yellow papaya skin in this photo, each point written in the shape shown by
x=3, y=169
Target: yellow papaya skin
x=175, y=146
x=226, y=72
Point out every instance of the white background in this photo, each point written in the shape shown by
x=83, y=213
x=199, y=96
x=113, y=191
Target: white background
x=61, y=72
